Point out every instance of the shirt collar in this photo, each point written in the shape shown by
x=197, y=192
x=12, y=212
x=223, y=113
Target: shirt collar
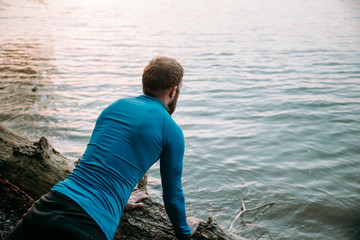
x=161, y=102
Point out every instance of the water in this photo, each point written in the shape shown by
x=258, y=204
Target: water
x=270, y=106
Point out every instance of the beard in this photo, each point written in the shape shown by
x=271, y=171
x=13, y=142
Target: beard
x=172, y=105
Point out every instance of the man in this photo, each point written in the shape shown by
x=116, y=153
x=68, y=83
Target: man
x=130, y=135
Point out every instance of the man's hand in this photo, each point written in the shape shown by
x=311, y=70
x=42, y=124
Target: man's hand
x=134, y=199
x=193, y=224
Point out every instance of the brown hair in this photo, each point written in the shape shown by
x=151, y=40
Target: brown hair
x=160, y=74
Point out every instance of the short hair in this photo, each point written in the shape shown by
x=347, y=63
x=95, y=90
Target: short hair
x=160, y=74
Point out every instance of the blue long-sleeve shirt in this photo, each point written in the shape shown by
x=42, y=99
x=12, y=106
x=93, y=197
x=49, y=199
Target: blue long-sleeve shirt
x=130, y=135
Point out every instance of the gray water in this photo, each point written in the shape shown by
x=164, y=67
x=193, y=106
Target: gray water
x=270, y=106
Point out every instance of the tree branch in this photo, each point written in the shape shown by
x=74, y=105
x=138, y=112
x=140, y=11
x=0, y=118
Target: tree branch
x=244, y=210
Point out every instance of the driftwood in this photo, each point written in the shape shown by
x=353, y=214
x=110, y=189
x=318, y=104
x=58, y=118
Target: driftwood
x=244, y=210
x=151, y=222
x=32, y=168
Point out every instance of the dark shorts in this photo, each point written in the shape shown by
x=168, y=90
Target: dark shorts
x=55, y=216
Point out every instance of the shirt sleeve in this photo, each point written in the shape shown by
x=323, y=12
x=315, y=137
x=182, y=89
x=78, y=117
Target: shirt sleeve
x=171, y=165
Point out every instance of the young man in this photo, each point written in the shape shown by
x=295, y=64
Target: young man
x=130, y=135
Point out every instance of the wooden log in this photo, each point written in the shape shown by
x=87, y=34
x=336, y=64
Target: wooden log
x=32, y=168
x=152, y=222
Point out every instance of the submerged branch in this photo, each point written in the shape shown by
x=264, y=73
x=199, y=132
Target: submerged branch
x=244, y=210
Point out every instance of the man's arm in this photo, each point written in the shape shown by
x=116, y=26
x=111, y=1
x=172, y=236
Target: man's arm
x=173, y=196
x=171, y=165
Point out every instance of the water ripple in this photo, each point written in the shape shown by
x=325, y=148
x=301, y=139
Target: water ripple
x=270, y=105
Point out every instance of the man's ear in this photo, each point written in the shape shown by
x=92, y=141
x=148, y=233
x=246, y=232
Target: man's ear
x=172, y=92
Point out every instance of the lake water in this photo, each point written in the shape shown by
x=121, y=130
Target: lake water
x=270, y=106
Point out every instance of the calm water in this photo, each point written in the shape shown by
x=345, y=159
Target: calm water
x=270, y=107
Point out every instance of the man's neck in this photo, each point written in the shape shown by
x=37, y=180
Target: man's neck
x=161, y=101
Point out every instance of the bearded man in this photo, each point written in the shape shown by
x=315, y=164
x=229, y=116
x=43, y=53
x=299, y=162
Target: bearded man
x=130, y=135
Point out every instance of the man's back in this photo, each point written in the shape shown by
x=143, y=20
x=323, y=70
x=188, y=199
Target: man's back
x=129, y=137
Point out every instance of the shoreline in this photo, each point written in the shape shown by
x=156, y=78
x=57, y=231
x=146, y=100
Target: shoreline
x=13, y=204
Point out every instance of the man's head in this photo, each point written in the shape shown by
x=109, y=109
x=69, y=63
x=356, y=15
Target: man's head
x=162, y=77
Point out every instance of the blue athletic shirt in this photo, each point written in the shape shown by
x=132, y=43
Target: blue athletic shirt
x=130, y=135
